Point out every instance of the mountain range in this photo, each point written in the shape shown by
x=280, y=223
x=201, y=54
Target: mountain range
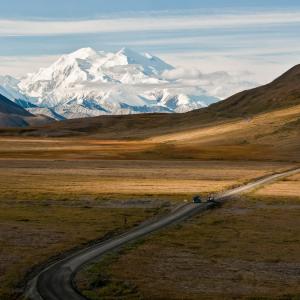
x=89, y=83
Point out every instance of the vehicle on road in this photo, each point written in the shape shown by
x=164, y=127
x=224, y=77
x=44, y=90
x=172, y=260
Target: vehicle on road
x=197, y=199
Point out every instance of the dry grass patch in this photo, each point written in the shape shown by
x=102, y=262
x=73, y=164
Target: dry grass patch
x=249, y=249
x=48, y=206
x=273, y=136
x=32, y=232
x=69, y=148
x=269, y=136
x=290, y=187
x=54, y=179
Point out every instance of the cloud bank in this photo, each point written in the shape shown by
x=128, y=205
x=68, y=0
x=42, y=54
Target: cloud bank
x=249, y=46
x=158, y=23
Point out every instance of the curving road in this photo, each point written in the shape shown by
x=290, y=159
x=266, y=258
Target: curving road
x=55, y=282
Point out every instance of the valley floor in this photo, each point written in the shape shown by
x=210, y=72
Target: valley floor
x=49, y=206
x=248, y=249
x=61, y=193
x=89, y=180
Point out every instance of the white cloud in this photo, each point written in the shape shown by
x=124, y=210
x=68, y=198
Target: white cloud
x=239, y=40
x=249, y=67
x=180, y=72
x=19, y=66
x=20, y=27
x=219, y=84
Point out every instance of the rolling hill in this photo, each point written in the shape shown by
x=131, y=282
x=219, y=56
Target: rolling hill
x=281, y=93
x=262, y=123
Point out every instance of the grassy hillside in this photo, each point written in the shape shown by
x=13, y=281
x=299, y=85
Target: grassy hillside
x=273, y=136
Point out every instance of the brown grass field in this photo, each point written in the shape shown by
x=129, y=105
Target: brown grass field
x=248, y=249
x=290, y=187
x=57, y=193
x=48, y=206
x=48, y=179
x=33, y=232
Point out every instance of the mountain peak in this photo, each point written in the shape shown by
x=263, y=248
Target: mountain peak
x=131, y=54
x=88, y=83
x=83, y=53
x=151, y=64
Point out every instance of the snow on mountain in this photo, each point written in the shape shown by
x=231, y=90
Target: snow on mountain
x=46, y=112
x=71, y=74
x=91, y=83
x=9, y=88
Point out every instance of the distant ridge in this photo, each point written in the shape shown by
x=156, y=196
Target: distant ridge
x=13, y=115
x=9, y=107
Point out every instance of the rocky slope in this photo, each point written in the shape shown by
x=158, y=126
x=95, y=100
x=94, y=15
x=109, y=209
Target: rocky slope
x=13, y=115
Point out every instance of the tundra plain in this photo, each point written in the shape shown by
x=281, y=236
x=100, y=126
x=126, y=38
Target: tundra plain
x=248, y=249
x=54, y=199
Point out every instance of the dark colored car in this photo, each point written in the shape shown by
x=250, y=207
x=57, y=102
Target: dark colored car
x=197, y=199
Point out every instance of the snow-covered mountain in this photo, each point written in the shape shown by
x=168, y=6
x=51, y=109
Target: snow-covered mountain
x=89, y=83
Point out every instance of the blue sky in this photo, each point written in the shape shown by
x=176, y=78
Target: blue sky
x=257, y=37
x=71, y=9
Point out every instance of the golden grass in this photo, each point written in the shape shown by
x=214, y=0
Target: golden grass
x=266, y=122
x=290, y=187
x=273, y=136
x=268, y=136
x=68, y=148
x=264, y=137
x=50, y=179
